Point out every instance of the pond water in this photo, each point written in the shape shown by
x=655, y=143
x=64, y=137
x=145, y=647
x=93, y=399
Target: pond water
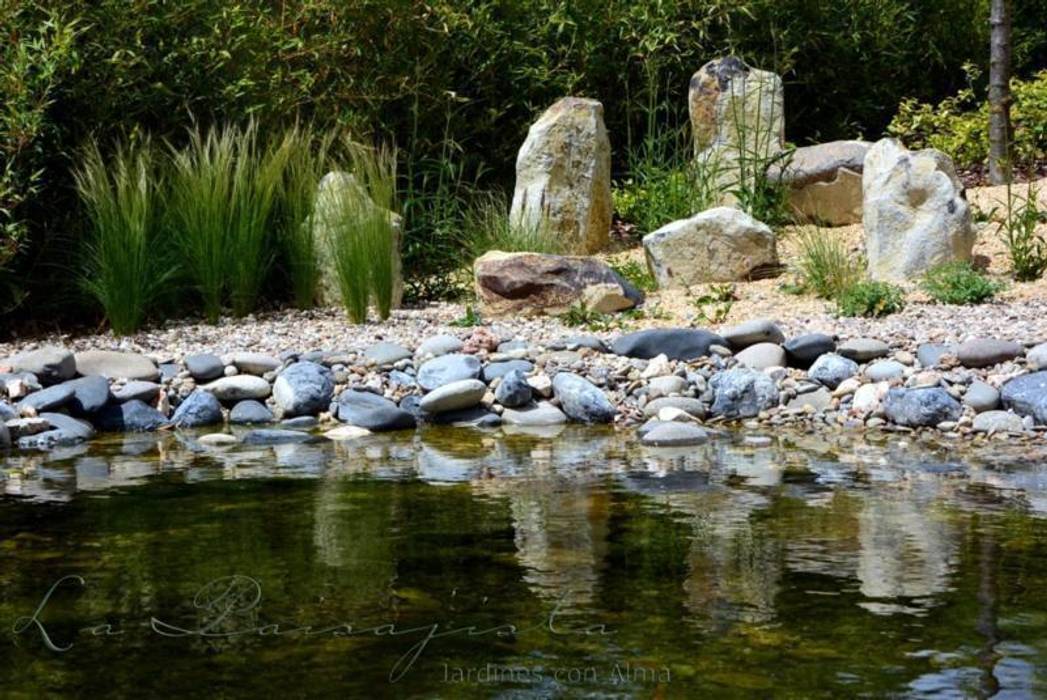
x=455, y=563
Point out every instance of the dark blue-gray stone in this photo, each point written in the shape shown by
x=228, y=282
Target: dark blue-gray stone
x=1027, y=396
x=366, y=410
x=169, y=370
x=7, y=411
x=477, y=416
x=500, y=369
x=65, y=430
x=916, y=408
x=831, y=370
x=276, y=437
x=133, y=416
x=304, y=389
x=803, y=350
x=513, y=391
x=573, y=342
x=412, y=403
x=204, y=366
x=249, y=413
x=581, y=400
x=89, y=395
x=742, y=393
x=198, y=409
x=48, y=399
x=674, y=343
x=300, y=423
x=445, y=369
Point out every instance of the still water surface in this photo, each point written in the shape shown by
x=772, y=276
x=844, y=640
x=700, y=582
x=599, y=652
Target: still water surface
x=575, y=564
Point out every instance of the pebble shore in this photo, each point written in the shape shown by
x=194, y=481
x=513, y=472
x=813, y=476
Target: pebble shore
x=297, y=376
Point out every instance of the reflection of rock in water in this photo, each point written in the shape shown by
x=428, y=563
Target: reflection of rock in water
x=907, y=550
x=351, y=532
x=560, y=539
x=735, y=565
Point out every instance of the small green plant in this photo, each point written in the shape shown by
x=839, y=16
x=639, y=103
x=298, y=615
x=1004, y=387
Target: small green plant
x=825, y=266
x=959, y=283
x=469, y=319
x=637, y=274
x=1025, y=244
x=487, y=226
x=581, y=315
x=871, y=299
x=715, y=305
x=125, y=271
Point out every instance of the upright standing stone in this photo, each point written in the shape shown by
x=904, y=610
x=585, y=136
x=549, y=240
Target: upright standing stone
x=735, y=110
x=335, y=189
x=914, y=212
x=563, y=176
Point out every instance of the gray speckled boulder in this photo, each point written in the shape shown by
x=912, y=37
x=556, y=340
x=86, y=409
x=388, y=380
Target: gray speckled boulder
x=831, y=370
x=916, y=408
x=743, y=393
x=513, y=391
x=445, y=369
x=1027, y=395
x=198, y=409
x=581, y=400
x=304, y=389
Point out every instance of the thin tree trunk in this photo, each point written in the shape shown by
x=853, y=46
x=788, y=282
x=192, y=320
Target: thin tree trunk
x=1000, y=93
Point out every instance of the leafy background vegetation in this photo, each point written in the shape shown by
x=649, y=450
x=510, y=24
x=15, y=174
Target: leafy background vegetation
x=452, y=84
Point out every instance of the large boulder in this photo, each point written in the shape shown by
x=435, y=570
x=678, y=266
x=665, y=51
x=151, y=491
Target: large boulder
x=923, y=407
x=200, y=408
x=914, y=212
x=1027, y=396
x=335, y=190
x=719, y=245
x=563, y=176
x=825, y=181
x=533, y=283
x=735, y=110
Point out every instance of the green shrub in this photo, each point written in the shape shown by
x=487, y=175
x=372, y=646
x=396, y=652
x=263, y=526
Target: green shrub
x=126, y=269
x=637, y=274
x=959, y=125
x=959, y=283
x=1025, y=243
x=488, y=226
x=825, y=266
x=868, y=298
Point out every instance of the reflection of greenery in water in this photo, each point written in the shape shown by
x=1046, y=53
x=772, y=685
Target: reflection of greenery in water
x=815, y=570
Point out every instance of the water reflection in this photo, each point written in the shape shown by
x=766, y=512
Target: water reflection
x=781, y=547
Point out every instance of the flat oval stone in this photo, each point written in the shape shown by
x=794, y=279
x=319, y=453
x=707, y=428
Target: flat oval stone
x=439, y=345
x=386, y=353
x=48, y=399
x=986, y=352
x=116, y=365
x=454, y=396
x=49, y=364
x=917, y=408
x=750, y=333
x=692, y=407
x=885, y=371
x=445, y=369
x=366, y=410
x=238, y=388
x=981, y=397
x=204, y=367
x=250, y=412
x=137, y=390
x=803, y=350
x=863, y=349
x=674, y=343
x=762, y=356
x=930, y=354
x=581, y=400
x=998, y=422
x=255, y=363
x=542, y=414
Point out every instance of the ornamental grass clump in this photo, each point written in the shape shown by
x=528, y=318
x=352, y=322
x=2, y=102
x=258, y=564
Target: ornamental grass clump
x=125, y=270
x=306, y=160
x=825, y=266
x=361, y=229
x=224, y=187
x=487, y=226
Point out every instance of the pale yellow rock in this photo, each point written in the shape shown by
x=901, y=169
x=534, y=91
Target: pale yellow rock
x=346, y=432
x=834, y=203
x=605, y=298
x=563, y=176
